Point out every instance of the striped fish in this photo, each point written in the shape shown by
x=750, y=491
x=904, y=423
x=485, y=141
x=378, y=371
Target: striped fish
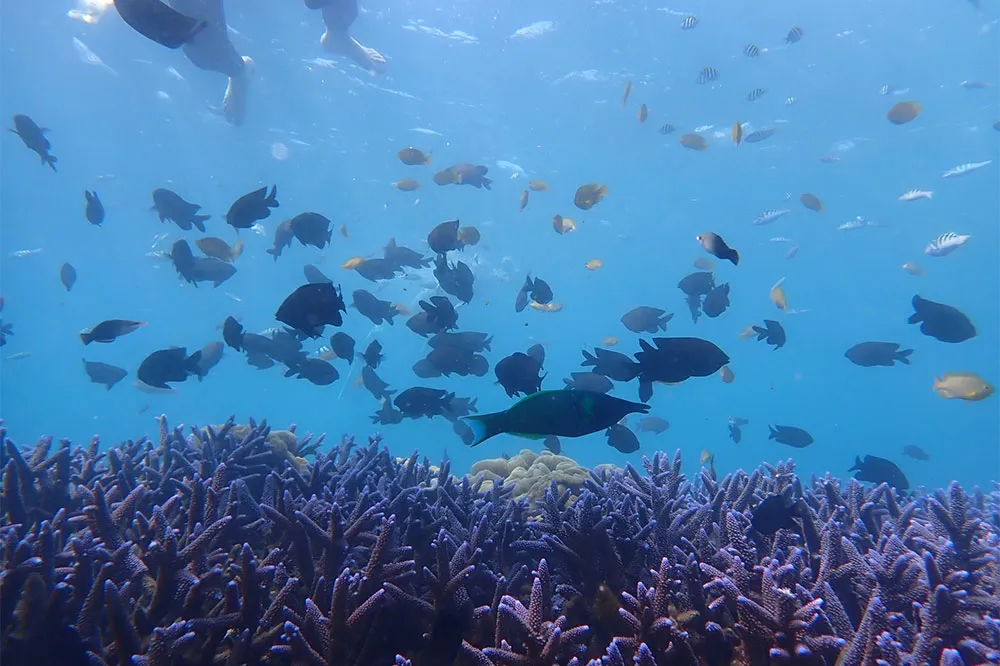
x=790, y=101
x=794, y=35
x=708, y=74
x=689, y=22
x=666, y=129
x=887, y=89
x=751, y=50
x=759, y=135
x=946, y=244
x=769, y=216
x=756, y=94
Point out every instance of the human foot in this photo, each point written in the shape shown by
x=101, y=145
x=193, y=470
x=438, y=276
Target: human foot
x=345, y=45
x=234, y=104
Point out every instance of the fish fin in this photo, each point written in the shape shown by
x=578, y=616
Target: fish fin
x=772, y=432
x=903, y=356
x=485, y=426
x=645, y=389
x=527, y=435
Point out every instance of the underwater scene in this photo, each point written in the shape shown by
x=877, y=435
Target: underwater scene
x=554, y=333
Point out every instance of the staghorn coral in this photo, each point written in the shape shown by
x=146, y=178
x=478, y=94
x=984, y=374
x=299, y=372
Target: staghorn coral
x=218, y=546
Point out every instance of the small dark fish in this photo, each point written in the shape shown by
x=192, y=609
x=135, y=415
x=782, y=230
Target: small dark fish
x=311, y=229
x=168, y=365
x=716, y=301
x=464, y=432
x=387, y=415
x=714, y=245
x=879, y=470
x=551, y=443
x=470, y=341
x=378, y=269
x=374, y=384
x=315, y=275
x=67, y=275
x=456, y=280
x=622, y=439
x=373, y=354
x=232, y=333
x=562, y=413
x=751, y=50
x=915, y=452
x=343, y=346
x=211, y=354
x=423, y=401
x=252, y=207
x=519, y=373
x=311, y=307
x=790, y=436
x=756, y=94
x=315, y=370
x=445, y=237
x=464, y=174
x=645, y=319
x=588, y=381
x=373, y=308
x=33, y=137
x=613, y=365
x=776, y=512
x=707, y=74
x=735, y=433
x=260, y=360
x=171, y=206
x=283, y=236
x=110, y=330
x=103, y=373
x=772, y=333
x=159, y=22
x=438, y=316
x=941, y=322
x=653, y=424
x=871, y=354
x=94, y=209
x=401, y=256
x=199, y=269
x=697, y=284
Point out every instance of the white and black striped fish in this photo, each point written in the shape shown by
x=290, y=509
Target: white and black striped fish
x=666, y=129
x=794, y=35
x=708, y=74
x=887, y=89
x=689, y=22
x=789, y=101
x=769, y=216
x=751, y=50
x=759, y=135
x=756, y=94
x=946, y=244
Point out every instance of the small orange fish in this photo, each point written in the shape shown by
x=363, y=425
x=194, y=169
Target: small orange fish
x=408, y=185
x=588, y=195
x=812, y=202
x=904, y=112
x=593, y=264
x=777, y=295
x=538, y=186
x=626, y=92
x=747, y=333
x=913, y=269
x=693, y=142
x=643, y=113
x=352, y=263
x=737, y=133
x=524, y=202
x=402, y=309
x=563, y=225
x=469, y=235
x=413, y=157
x=609, y=341
x=546, y=307
x=727, y=375
x=344, y=232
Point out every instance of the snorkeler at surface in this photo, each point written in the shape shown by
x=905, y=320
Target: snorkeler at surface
x=211, y=50
x=338, y=15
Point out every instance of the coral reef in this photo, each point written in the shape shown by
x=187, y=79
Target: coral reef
x=532, y=473
x=216, y=547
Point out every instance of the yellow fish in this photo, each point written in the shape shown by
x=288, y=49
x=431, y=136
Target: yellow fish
x=593, y=264
x=352, y=263
x=963, y=386
x=546, y=307
x=778, y=296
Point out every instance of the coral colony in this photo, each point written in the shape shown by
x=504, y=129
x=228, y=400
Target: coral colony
x=225, y=546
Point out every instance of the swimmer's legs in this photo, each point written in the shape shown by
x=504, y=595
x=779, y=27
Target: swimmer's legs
x=234, y=104
x=341, y=43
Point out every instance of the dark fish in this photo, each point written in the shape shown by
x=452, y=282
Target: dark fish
x=653, y=424
x=232, y=333
x=735, y=433
x=168, y=365
x=675, y=360
x=776, y=512
x=370, y=306
x=915, y=452
x=523, y=295
x=790, y=436
x=879, y=470
x=519, y=374
x=373, y=354
x=422, y=401
x=170, y=206
x=756, y=94
x=541, y=292
x=871, y=354
x=551, y=443
x=315, y=370
x=211, y=354
x=622, y=439
x=102, y=373
x=94, y=209
x=460, y=407
x=311, y=307
x=310, y=229
x=438, y=316
x=464, y=433
x=941, y=322
x=697, y=284
x=159, y=22
x=751, y=50
x=283, y=236
x=469, y=340
x=252, y=207
x=374, y=384
x=425, y=369
x=588, y=381
x=199, y=269
x=400, y=255
x=387, y=415
x=611, y=364
x=343, y=346
x=707, y=74
x=110, y=330
x=33, y=137
x=260, y=360
x=794, y=35
x=447, y=360
x=716, y=301
x=772, y=333
x=464, y=174
x=645, y=319
x=378, y=269
x=694, y=307
x=456, y=279
x=314, y=275
x=67, y=275
x=714, y=245
x=444, y=237
x=562, y=413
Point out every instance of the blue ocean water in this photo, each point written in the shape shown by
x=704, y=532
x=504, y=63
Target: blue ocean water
x=551, y=105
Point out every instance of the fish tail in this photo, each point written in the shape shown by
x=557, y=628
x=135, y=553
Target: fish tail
x=86, y=338
x=772, y=432
x=192, y=365
x=734, y=257
x=485, y=426
x=274, y=252
x=199, y=221
x=50, y=160
x=903, y=356
x=272, y=197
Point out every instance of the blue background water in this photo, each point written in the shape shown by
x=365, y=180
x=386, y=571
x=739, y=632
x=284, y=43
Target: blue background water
x=516, y=100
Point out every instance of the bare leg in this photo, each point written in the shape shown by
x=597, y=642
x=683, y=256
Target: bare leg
x=341, y=43
x=234, y=104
